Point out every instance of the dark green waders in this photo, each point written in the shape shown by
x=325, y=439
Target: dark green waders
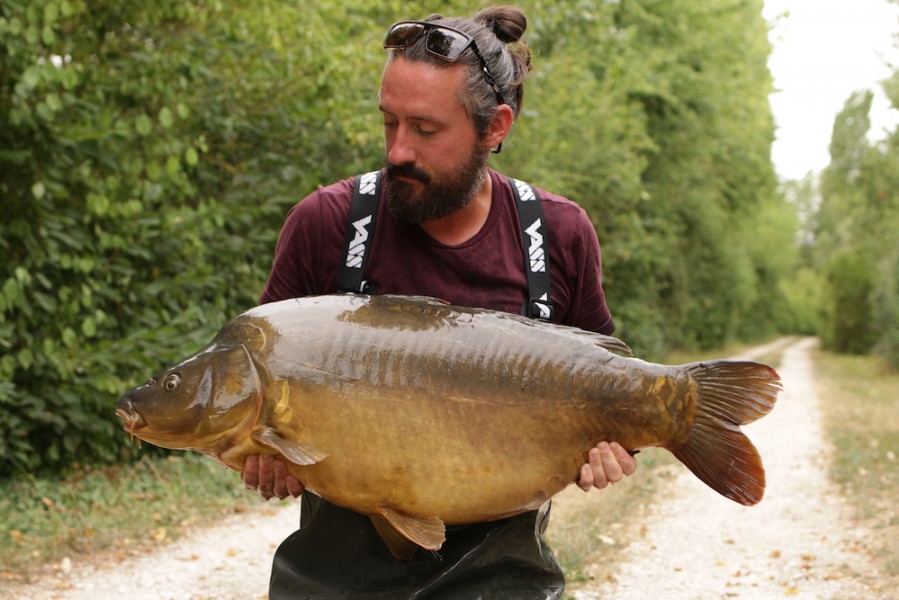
x=337, y=554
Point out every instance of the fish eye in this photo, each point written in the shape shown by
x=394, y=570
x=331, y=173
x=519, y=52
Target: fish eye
x=172, y=381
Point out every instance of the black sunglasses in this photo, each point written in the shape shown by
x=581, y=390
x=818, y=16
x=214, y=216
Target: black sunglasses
x=445, y=43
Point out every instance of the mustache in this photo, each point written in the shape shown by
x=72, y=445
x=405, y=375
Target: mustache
x=408, y=170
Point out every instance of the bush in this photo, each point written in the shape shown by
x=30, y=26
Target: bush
x=847, y=326
x=149, y=154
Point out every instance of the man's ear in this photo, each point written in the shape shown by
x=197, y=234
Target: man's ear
x=500, y=126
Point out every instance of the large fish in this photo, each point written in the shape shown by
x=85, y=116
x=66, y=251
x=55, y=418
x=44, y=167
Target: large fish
x=422, y=414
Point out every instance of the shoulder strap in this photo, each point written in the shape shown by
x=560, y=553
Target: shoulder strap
x=359, y=233
x=361, y=227
x=536, y=250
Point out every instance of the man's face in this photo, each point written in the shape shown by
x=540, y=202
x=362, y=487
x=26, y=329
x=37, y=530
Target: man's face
x=436, y=162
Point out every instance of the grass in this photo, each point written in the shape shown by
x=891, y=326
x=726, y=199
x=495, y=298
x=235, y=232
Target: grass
x=859, y=406
x=118, y=510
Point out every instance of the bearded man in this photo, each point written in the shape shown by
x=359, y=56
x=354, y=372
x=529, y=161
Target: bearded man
x=447, y=226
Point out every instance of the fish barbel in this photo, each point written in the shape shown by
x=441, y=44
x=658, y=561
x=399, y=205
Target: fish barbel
x=422, y=414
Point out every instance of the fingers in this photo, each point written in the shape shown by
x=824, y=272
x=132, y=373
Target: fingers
x=625, y=459
x=586, y=480
x=294, y=487
x=284, y=483
x=606, y=463
x=279, y=479
x=258, y=474
x=250, y=473
x=268, y=475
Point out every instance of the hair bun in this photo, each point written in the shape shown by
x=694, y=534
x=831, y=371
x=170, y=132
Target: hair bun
x=506, y=22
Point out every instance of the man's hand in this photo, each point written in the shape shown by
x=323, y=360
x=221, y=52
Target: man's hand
x=268, y=475
x=607, y=463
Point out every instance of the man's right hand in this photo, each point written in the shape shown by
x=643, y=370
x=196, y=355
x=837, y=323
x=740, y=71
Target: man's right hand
x=268, y=475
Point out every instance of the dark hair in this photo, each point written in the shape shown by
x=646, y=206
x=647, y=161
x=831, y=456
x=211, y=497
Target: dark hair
x=498, y=32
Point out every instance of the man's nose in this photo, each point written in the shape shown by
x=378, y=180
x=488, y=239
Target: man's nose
x=400, y=150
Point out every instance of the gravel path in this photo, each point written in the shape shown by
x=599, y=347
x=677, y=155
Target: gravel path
x=231, y=561
x=796, y=543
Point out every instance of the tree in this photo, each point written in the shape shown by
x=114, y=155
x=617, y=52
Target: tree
x=856, y=240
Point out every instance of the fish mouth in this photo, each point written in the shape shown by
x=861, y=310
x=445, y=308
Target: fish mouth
x=132, y=420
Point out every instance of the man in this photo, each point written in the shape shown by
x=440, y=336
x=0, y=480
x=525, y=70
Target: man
x=447, y=226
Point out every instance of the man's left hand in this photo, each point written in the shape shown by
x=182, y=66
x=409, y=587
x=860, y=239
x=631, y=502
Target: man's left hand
x=607, y=463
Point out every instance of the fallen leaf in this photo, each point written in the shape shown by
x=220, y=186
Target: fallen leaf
x=609, y=541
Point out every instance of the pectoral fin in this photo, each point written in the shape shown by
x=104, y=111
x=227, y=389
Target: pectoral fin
x=398, y=530
x=295, y=452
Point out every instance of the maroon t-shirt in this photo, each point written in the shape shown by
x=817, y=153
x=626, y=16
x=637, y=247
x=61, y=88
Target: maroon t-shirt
x=487, y=271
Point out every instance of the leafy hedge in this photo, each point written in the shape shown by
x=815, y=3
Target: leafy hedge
x=149, y=154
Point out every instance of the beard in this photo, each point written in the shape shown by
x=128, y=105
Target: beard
x=433, y=197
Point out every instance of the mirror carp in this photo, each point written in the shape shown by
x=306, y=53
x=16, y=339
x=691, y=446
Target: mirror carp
x=421, y=414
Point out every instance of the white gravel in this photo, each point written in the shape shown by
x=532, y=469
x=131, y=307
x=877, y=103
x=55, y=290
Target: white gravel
x=231, y=561
x=797, y=543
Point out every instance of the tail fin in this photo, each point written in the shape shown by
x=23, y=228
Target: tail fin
x=731, y=393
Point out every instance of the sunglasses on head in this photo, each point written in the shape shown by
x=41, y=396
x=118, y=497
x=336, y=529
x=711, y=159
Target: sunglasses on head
x=445, y=43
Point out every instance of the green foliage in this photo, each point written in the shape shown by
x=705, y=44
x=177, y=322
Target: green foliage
x=655, y=118
x=849, y=278
x=885, y=298
x=803, y=293
x=857, y=237
x=149, y=153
